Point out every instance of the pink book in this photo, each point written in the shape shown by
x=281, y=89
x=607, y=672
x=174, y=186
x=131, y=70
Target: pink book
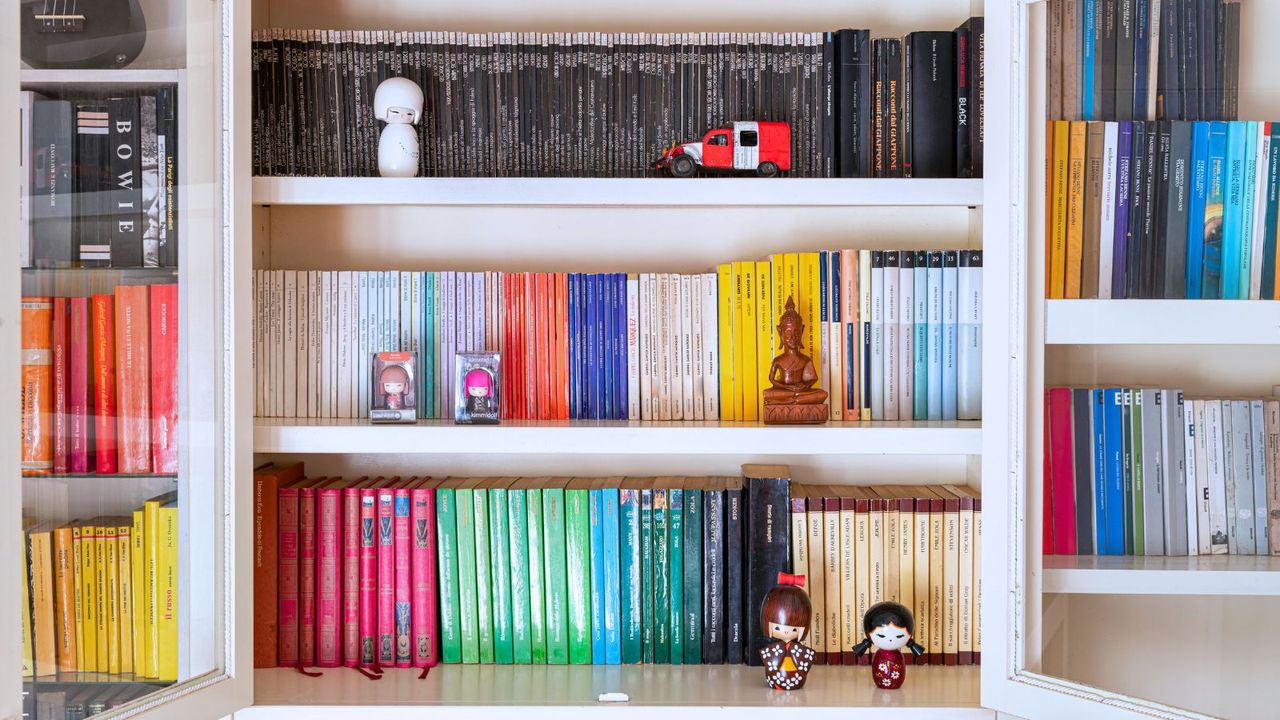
x=328, y=576
x=1062, y=483
x=386, y=575
x=351, y=573
x=422, y=567
x=404, y=654
x=288, y=575
x=368, y=575
x=307, y=575
x=164, y=379
x=61, y=436
x=78, y=382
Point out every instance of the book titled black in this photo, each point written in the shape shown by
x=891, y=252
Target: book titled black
x=931, y=70
x=977, y=91
x=93, y=183
x=713, y=569
x=1082, y=420
x=125, y=195
x=52, y=237
x=768, y=549
x=964, y=156
x=734, y=582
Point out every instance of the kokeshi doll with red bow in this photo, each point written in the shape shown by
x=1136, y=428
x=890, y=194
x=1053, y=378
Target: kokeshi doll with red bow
x=785, y=618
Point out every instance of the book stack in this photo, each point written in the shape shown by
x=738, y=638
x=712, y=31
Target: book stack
x=1131, y=471
x=916, y=545
x=100, y=382
x=99, y=180
x=103, y=596
x=894, y=335
x=1163, y=210
x=523, y=104
x=1144, y=59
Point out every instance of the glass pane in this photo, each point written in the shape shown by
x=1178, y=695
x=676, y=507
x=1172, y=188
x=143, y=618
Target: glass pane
x=120, y=250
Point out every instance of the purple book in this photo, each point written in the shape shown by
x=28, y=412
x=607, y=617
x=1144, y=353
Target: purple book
x=1124, y=152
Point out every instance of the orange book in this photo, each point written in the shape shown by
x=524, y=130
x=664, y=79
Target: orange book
x=530, y=305
x=37, y=386
x=1075, y=209
x=560, y=348
x=541, y=324
x=1056, y=251
x=64, y=598
x=133, y=378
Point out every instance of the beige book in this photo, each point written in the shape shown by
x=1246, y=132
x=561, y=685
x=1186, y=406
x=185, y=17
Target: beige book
x=850, y=621
x=951, y=579
x=862, y=551
x=831, y=569
x=817, y=588
x=920, y=562
x=800, y=542
x=968, y=500
x=937, y=630
x=877, y=548
x=891, y=542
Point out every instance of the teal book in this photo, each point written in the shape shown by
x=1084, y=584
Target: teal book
x=427, y=356
x=500, y=563
x=447, y=564
x=537, y=573
x=484, y=572
x=595, y=515
x=1215, y=199
x=578, y=561
x=661, y=579
x=691, y=628
x=1233, y=238
x=631, y=607
x=518, y=549
x=555, y=574
x=920, y=343
x=675, y=558
x=646, y=572
x=1247, y=201
x=468, y=619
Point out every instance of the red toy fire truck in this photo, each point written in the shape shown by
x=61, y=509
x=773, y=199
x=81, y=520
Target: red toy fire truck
x=760, y=147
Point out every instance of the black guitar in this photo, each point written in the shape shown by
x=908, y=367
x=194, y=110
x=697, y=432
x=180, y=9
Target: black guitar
x=82, y=33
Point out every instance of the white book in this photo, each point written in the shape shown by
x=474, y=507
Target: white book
x=1175, y=475
x=402, y=324
x=1189, y=470
x=1258, y=464
x=833, y=342
x=345, y=350
x=1204, y=544
x=645, y=346
x=906, y=334
x=711, y=346
x=673, y=364
x=890, y=305
x=1107, y=216
x=695, y=349
x=1218, y=538
x=633, y=346
x=969, y=360
x=1240, y=477
x=391, y=321
x=364, y=356
x=268, y=344
x=656, y=344
x=1259, y=212
x=258, y=344
x=950, y=333
x=877, y=335
x=277, y=343
x=466, y=298
x=447, y=330
x=462, y=322
x=478, y=319
x=304, y=343
x=317, y=339
x=326, y=345
x=437, y=333
x=686, y=348
x=414, y=321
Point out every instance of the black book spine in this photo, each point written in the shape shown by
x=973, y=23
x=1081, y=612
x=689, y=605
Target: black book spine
x=1147, y=241
x=125, y=195
x=829, y=90
x=893, y=107
x=52, y=238
x=1137, y=170
x=1168, y=89
x=963, y=102
x=1106, y=53
x=1175, y=266
x=148, y=142
x=1155, y=270
x=846, y=93
x=1126, y=17
x=1208, y=61
x=259, y=126
x=977, y=91
x=906, y=149
x=694, y=521
x=713, y=598
x=877, y=111
x=734, y=528
x=1231, y=69
x=1189, y=60
x=1082, y=417
x=932, y=105
x=92, y=184
x=862, y=104
x=168, y=159
x=768, y=547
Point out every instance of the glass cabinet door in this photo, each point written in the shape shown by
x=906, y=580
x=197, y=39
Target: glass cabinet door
x=118, y=331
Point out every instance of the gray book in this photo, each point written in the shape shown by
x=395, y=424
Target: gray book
x=1175, y=207
x=1257, y=441
x=1229, y=477
x=1082, y=435
x=1175, y=474
x=1240, y=480
x=1152, y=473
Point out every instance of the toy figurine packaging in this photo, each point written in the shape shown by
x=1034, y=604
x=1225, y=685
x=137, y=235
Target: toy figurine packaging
x=785, y=617
x=476, y=398
x=393, y=383
x=888, y=627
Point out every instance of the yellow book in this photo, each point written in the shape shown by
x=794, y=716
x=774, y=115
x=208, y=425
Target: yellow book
x=110, y=549
x=764, y=332
x=724, y=293
x=1056, y=255
x=739, y=340
x=124, y=559
x=167, y=578
x=906, y=549
x=42, y=604
x=100, y=598
x=64, y=603
x=937, y=629
x=1075, y=208
x=89, y=595
x=28, y=654
x=815, y=583
x=809, y=305
x=77, y=567
x=151, y=556
x=850, y=623
x=138, y=601
x=778, y=271
x=750, y=375
x=951, y=579
x=791, y=279
x=890, y=544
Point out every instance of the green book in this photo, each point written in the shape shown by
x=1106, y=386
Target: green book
x=484, y=571
x=631, y=625
x=466, y=525
x=537, y=574
x=692, y=625
x=1139, y=517
x=447, y=548
x=661, y=579
x=557, y=607
x=518, y=542
x=578, y=562
x=675, y=558
x=500, y=561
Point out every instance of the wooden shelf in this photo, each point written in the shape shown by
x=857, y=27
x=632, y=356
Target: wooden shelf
x=617, y=437
x=1162, y=322
x=1128, y=575
x=617, y=192
x=568, y=691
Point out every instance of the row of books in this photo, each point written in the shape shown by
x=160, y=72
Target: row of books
x=895, y=335
x=1143, y=59
x=1132, y=471
x=1163, y=210
x=101, y=595
x=100, y=382
x=69, y=702
x=99, y=180
x=606, y=104
x=915, y=545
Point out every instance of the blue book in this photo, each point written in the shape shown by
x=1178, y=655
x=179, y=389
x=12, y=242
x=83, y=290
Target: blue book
x=1273, y=215
x=1087, y=68
x=935, y=335
x=1141, y=49
x=1199, y=186
x=595, y=518
x=1124, y=187
x=920, y=344
x=1098, y=405
x=1247, y=203
x=675, y=575
x=1233, y=210
x=612, y=588
x=950, y=333
x=1113, y=496
x=427, y=358
x=604, y=375
x=620, y=384
x=605, y=328
x=1214, y=205
x=824, y=283
x=591, y=304
x=629, y=568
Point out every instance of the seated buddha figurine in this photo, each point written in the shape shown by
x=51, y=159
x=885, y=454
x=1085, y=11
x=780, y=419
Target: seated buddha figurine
x=792, y=398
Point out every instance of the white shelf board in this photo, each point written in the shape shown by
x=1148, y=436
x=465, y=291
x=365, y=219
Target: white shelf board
x=618, y=192
x=617, y=437
x=1149, y=575
x=567, y=691
x=1162, y=322
x=121, y=76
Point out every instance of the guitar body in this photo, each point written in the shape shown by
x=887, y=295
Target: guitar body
x=81, y=33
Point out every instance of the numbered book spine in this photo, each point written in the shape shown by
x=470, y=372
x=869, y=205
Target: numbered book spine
x=969, y=359
x=675, y=561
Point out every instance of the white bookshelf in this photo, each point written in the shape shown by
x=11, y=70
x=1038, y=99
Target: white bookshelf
x=1232, y=575
x=1162, y=322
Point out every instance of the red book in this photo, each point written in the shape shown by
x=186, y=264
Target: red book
x=328, y=577
x=520, y=408
x=422, y=514
x=351, y=573
x=164, y=379
x=386, y=656
x=78, y=397
x=133, y=378
x=61, y=387
x=307, y=573
x=288, y=575
x=1062, y=472
x=555, y=313
x=531, y=383
x=403, y=586
x=267, y=481
x=369, y=574
x=104, y=385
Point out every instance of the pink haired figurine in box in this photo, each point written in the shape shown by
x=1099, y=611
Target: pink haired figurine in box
x=477, y=396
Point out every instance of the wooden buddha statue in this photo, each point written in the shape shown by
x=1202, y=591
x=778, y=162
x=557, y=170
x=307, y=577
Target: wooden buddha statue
x=791, y=398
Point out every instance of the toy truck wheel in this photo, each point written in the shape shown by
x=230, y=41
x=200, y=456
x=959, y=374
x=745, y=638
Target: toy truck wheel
x=682, y=166
x=767, y=169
